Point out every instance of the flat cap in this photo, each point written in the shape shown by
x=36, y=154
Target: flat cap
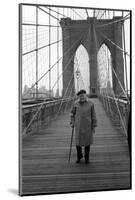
x=81, y=92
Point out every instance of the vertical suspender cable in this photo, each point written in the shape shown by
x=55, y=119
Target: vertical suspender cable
x=108, y=14
x=58, y=53
x=70, y=13
x=36, y=51
x=125, y=58
x=49, y=53
x=94, y=13
x=67, y=12
x=113, y=13
x=20, y=98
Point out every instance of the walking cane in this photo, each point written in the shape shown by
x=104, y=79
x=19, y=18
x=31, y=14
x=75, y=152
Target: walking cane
x=71, y=144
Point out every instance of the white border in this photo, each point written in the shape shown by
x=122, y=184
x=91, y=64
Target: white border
x=9, y=99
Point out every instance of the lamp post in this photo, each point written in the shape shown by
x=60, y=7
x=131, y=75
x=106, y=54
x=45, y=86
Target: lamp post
x=77, y=77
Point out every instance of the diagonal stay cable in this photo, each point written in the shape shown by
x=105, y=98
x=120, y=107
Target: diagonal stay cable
x=50, y=44
x=66, y=88
x=57, y=12
x=40, y=107
x=35, y=115
x=114, y=44
x=45, y=99
x=117, y=78
x=119, y=81
x=104, y=101
x=65, y=94
x=52, y=66
x=45, y=25
x=124, y=127
x=102, y=14
x=66, y=66
x=125, y=58
x=39, y=48
x=98, y=13
x=48, y=13
x=113, y=22
x=70, y=97
x=117, y=107
x=77, y=13
x=87, y=12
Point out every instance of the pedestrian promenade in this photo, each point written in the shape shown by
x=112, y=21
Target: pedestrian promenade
x=45, y=167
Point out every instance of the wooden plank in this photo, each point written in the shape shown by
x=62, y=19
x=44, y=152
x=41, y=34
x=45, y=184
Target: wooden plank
x=45, y=156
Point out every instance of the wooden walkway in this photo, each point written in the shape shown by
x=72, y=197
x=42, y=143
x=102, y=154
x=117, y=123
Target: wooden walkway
x=45, y=159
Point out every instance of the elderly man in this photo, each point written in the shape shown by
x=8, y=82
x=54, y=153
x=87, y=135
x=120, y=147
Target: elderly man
x=83, y=118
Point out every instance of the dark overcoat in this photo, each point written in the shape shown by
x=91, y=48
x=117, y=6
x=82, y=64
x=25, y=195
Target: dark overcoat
x=84, y=118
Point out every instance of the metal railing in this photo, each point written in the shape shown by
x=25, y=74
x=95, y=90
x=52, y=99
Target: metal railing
x=50, y=111
x=118, y=111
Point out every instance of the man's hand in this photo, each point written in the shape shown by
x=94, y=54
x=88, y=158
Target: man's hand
x=93, y=130
x=71, y=124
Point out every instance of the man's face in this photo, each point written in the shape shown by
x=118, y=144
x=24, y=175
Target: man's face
x=82, y=97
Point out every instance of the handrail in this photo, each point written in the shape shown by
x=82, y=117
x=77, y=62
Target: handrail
x=45, y=103
x=117, y=99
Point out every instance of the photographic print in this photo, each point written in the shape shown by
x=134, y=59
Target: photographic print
x=75, y=99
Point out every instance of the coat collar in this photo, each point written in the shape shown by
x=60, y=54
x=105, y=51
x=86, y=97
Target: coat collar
x=84, y=101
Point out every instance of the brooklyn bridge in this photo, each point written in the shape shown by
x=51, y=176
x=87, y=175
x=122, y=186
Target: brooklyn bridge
x=52, y=71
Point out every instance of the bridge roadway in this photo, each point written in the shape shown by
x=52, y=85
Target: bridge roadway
x=45, y=159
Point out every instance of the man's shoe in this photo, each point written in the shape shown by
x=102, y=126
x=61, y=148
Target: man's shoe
x=87, y=162
x=81, y=157
x=78, y=160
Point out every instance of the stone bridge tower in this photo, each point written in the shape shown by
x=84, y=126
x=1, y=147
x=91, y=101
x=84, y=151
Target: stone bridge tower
x=90, y=33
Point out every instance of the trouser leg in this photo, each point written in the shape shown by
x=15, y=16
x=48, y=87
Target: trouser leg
x=87, y=150
x=79, y=152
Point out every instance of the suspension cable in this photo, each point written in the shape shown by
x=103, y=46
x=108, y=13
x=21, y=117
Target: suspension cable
x=102, y=14
x=104, y=101
x=66, y=66
x=57, y=12
x=46, y=25
x=117, y=105
x=121, y=87
x=87, y=13
x=58, y=52
x=114, y=44
x=123, y=30
x=119, y=81
x=50, y=44
x=70, y=95
x=110, y=23
x=114, y=97
x=77, y=13
x=48, y=13
x=117, y=78
x=98, y=14
x=40, y=107
x=52, y=66
x=65, y=93
x=44, y=101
